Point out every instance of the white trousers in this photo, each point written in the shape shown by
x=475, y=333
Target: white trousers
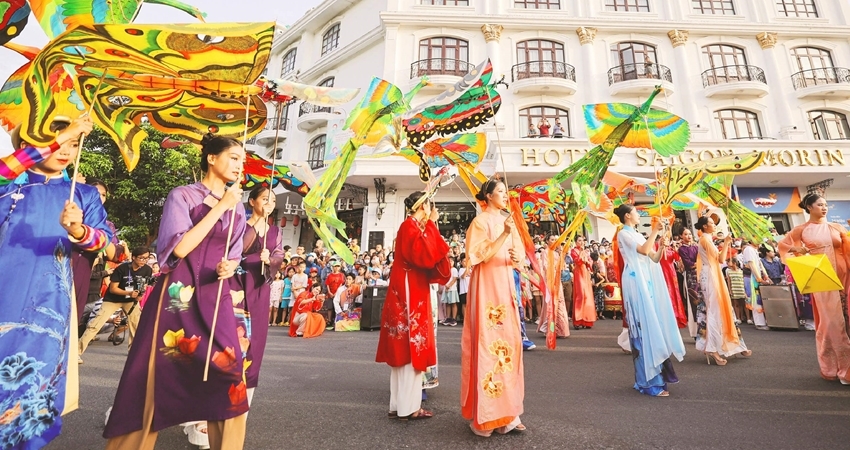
x=623, y=340
x=299, y=321
x=405, y=390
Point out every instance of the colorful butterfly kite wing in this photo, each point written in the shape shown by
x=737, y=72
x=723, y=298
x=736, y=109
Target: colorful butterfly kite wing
x=13, y=18
x=664, y=132
x=257, y=171
x=186, y=79
x=472, y=108
x=58, y=16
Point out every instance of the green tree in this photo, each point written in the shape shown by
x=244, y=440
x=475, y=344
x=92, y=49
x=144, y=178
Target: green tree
x=136, y=198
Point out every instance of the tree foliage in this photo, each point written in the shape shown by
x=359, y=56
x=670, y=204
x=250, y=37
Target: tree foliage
x=136, y=198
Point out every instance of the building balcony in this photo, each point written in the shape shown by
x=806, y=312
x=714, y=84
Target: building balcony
x=639, y=79
x=252, y=146
x=734, y=81
x=824, y=83
x=273, y=129
x=311, y=117
x=543, y=77
x=442, y=73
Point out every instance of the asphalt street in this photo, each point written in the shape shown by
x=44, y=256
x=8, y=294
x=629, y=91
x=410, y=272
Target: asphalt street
x=328, y=393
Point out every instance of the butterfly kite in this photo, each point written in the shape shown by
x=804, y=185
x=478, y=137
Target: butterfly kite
x=458, y=109
x=13, y=18
x=256, y=172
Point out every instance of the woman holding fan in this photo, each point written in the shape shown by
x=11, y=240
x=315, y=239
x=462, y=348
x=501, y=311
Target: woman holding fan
x=820, y=237
x=163, y=383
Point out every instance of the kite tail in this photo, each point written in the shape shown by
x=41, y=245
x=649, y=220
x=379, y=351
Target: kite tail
x=527, y=243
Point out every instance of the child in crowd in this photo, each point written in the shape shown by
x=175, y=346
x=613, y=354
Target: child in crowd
x=275, y=295
x=735, y=281
x=450, y=297
x=287, y=297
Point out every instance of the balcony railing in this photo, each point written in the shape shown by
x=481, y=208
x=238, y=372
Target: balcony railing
x=251, y=141
x=272, y=124
x=732, y=74
x=818, y=77
x=543, y=69
x=439, y=66
x=627, y=72
x=307, y=108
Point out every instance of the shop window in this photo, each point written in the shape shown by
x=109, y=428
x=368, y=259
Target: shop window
x=724, y=7
x=797, y=8
x=330, y=40
x=738, y=124
x=536, y=116
x=829, y=125
x=627, y=5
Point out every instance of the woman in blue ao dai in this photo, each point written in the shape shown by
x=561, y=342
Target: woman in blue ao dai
x=653, y=332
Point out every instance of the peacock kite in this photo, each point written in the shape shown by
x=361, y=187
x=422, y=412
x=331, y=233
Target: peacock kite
x=14, y=15
x=256, y=172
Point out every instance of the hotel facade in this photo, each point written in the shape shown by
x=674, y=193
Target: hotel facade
x=748, y=75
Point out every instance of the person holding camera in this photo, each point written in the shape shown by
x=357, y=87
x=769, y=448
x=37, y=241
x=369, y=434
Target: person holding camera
x=126, y=286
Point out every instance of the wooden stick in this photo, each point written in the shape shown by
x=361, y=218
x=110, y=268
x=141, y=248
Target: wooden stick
x=271, y=181
x=226, y=249
x=82, y=136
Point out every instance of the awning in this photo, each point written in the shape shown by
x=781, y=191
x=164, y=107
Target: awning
x=839, y=212
x=770, y=200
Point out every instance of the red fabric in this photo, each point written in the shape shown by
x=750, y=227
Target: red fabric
x=306, y=303
x=584, y=306
x=668, y=260
x=334, y=281
x=407, y=335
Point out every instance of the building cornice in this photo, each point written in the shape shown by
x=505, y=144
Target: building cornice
x=294, y=32
x=341, y=54
x=558, y=22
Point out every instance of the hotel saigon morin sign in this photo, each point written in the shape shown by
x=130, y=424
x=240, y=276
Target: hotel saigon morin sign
x=645, y=157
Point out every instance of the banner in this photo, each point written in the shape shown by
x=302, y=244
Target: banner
x=839, y=212
x=770, y=200
x=336, y=138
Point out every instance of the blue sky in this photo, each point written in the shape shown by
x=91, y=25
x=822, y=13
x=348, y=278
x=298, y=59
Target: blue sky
x=285, y=12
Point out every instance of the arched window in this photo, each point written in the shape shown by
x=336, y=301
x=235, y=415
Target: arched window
x=534, y=116
x=728, y=63
x=627, y=5
x=442, y=56
x=815, y=67
x=829, y=125
x=446, y=2
x=288, y=62
x=738, y=124
x=327, y=82
x=330, y=40
x=540, y=58
x=316, y=157
x=633, y=60
x=797, y=8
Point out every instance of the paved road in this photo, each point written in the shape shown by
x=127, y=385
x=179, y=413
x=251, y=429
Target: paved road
x=327, y=393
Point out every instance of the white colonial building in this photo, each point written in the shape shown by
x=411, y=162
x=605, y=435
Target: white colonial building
x=747, y=74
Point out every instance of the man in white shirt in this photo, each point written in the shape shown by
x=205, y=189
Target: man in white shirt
x=375, y=277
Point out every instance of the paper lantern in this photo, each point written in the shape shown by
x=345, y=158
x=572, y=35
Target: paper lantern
x=283, y=222
x=296, y=221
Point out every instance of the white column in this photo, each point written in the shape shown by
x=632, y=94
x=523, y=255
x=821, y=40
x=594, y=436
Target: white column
x=586, y=77
x=492, y=35
x=778, y=88
x=682, y=78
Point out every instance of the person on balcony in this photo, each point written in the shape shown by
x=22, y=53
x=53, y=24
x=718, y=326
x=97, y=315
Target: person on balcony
x=557, y=130
x=544, y=127
x=532, y=130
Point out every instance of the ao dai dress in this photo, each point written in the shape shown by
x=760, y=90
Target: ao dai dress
x=492, y=381
x=830, y=308
x=174, y=331
x=38, y=334
x=717, y=331
x=653, y=332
